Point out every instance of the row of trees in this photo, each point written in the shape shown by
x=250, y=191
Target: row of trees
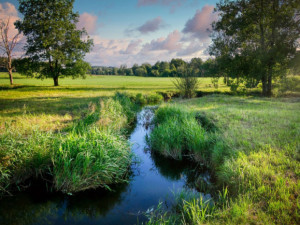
x=173, y=68
x=253, y=41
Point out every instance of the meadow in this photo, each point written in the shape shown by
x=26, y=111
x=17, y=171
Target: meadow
x=250, y=143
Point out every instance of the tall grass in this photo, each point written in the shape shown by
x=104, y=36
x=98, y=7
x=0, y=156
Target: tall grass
x=90, y=160
x=23, y=156
x=178, y=133
x=189, y=207
x=93, y=152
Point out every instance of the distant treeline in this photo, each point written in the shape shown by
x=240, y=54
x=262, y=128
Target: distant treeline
x=173, y=68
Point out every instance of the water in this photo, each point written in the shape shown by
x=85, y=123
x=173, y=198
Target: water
x=154, y=178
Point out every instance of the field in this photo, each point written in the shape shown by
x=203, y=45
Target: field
x=51, y=107
x=253, y=153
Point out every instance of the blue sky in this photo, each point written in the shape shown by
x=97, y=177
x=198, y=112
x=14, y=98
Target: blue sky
x=137, y=31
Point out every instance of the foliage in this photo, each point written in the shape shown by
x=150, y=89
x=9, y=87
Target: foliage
x=254, y=40
x=54, y=46
x=286, y=85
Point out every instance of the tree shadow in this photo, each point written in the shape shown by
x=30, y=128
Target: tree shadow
x=46, y=105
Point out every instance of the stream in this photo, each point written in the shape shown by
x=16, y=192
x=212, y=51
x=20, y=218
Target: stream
x=153, y=179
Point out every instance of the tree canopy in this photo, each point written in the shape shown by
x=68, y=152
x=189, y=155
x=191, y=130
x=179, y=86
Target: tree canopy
x=55, y=47
x=254, y=40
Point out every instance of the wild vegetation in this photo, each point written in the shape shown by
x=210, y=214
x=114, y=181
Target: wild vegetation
x=254, y=153
x=74, y=136
x=88, y=153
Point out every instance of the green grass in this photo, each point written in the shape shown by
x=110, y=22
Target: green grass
x=178, y=133
x=91, y=152
x=33, y=102
x=90, y=160
x=255, y=155
x=254, y=150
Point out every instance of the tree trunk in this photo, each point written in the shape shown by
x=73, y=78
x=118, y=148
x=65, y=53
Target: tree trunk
x=9, y=69
x=269, y=85
x=264, y=84
x=10, y=77
x=55, y=79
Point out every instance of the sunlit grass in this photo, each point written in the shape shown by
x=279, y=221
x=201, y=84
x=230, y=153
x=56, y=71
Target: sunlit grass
x=256, y=156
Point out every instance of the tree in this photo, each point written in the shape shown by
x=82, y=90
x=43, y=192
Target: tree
x=122, y=70
x=163, y=66
x=8, y=42
x=134, y=68
x=54, y=46
x=256, y=39
x=147, y=67
x=196, y=66
x=177, y=63
x=140, y=71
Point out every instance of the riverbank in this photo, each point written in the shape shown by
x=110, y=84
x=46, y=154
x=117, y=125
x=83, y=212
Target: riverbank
x=255, y=157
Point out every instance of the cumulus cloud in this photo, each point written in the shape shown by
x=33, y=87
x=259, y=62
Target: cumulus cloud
x=200, y=25
x=170, y=43
x=173, y=4
x=89, y=22
x=132, y=47
x=9, y=13
x=151, y=25
x=108, y=52
x=8, y=9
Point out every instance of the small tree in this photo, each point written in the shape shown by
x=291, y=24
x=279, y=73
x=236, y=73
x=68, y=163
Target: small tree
x=186, y=82
x=54, y=46
x=7, y=44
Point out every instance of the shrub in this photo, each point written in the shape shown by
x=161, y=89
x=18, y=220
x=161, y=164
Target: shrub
x=154, y=98
x=140, y=99
x=187, y=84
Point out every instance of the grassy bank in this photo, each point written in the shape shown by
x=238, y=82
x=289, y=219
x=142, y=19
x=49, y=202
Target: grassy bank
x=89, y=152
x=254, y=153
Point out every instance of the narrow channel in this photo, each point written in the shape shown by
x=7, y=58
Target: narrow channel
x=154, y=178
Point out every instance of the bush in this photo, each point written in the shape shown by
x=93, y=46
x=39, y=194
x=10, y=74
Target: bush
x=287, y=84
x=187, y=84
x=140, y=99
x=154, y=99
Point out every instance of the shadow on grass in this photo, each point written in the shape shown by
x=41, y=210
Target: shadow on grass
x=46, y=105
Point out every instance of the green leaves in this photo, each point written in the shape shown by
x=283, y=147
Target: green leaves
x=254, y=40
x=53, y=42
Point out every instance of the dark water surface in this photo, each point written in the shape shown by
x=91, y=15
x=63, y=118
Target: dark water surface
x=154, y=178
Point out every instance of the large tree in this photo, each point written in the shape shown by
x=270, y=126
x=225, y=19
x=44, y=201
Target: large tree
x=55, y=48
x=256, y=39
